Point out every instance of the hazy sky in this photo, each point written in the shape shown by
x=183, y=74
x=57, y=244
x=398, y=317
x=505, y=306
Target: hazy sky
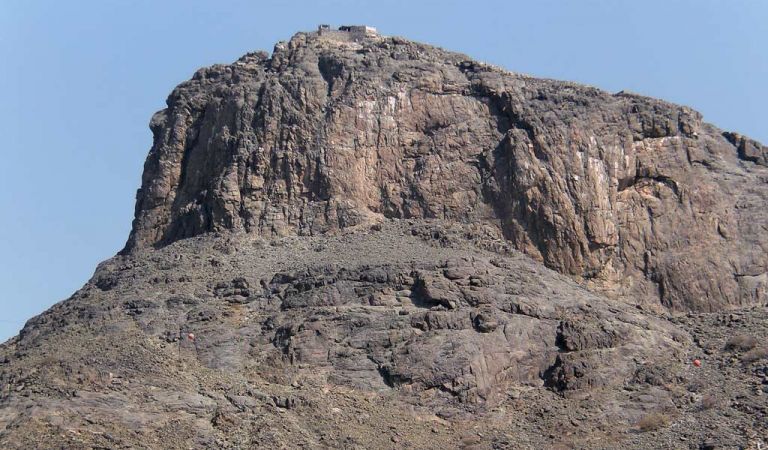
x=80, y=80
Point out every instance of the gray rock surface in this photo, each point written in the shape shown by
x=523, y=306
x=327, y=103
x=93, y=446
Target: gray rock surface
x=405, y=335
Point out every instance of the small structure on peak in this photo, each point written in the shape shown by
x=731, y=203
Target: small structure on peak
x=345, y=32
x=359, y=29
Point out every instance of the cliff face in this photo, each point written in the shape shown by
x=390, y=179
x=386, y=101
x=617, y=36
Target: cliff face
x=637, y=197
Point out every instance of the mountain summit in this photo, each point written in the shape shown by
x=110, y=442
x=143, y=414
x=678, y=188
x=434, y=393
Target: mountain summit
x=360, y=241
x=636, y=196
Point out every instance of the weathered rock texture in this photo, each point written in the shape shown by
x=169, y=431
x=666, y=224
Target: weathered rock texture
x=636, y=196
x=402, y=336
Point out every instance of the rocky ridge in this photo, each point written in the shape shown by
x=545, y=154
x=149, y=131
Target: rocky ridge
x=637, y=197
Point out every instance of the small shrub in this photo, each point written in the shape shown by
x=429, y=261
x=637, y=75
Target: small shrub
x=754, y=355
x=741, y=342
x=709, y=401
x=652, y=422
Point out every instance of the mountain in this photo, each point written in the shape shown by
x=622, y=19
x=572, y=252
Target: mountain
x=360, y=241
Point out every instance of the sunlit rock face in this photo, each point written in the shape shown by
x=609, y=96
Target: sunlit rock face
x=637, y=197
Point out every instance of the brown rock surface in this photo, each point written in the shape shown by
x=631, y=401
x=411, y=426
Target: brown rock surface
x=634, y=195
x=408, y=335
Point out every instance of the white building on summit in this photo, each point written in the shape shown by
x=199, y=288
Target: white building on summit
x=349, y=31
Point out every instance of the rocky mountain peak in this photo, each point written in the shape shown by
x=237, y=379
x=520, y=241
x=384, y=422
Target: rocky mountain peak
x=635, y=196
x=328, y=249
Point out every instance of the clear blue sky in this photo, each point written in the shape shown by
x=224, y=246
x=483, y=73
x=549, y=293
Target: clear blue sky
x=81, y=79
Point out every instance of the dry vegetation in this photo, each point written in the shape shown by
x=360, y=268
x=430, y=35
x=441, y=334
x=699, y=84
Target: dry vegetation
x=755, y=354
x=741, y=342
x=709, y=401
x=653, y=421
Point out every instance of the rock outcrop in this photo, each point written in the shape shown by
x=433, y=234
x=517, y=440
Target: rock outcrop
x=402, y=335
x=638, y=197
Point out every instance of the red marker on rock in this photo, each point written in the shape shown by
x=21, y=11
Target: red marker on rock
x=697, y=363
x=191, y=336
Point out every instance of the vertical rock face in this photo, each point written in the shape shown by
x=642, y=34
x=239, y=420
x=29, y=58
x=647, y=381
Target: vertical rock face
x=635, y=196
